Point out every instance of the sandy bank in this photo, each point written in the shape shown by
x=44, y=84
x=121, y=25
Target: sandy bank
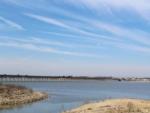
x=115, y=106
x=11, y=95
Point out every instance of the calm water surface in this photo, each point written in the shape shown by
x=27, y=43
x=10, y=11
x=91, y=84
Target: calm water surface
x=64, y=95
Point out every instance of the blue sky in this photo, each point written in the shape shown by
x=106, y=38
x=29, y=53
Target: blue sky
x=77, y=37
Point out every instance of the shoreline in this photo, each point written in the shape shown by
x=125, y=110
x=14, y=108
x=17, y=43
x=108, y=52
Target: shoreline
x=5, y=77
x=114, y=106
x=13, y=96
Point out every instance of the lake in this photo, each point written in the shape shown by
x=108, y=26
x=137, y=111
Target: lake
x=64, y=95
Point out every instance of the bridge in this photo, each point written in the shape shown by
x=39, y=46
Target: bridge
x=30, y=78
x=5, y=78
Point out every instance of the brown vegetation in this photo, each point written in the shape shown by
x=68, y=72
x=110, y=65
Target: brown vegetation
x=11, y=95
x=115, y=106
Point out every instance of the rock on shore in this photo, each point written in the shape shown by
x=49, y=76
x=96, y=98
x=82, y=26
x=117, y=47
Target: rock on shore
x=115, y=106
x=11, y=95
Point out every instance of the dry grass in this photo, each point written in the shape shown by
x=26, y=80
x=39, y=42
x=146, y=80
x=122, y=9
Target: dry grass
x=115, y=106
x=11, y=95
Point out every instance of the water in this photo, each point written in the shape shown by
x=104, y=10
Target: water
x=64, y=95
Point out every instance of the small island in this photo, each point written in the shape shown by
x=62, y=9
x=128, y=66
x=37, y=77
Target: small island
x=12, y=95
x=115, y=106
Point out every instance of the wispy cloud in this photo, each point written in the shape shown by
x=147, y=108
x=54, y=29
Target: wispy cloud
x=30, y=4
x=70, y=26
x=120, y=33
x=132, y=34
x=131, y=47
x=47, y=20
x=106, y=31
x=51, y=21
x=11, y=23
x=48, y=42
x=141, y=7
x=40, y=48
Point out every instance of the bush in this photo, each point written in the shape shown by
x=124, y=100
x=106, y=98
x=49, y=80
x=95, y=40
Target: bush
x=130, y=107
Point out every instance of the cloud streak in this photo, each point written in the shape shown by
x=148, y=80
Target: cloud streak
x=116, y=30
x=47, y=42
x=121, y=34
x=47, y=20
x=132, y=34
x=52, y=21
x=11, y=23
x=39, y=48
x=67, y=26
x=141, y=7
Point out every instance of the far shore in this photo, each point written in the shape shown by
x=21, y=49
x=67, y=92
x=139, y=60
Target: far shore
x=5, y=77
x=12, y=96
x=115, y=106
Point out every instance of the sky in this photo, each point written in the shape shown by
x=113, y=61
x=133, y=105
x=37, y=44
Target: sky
x=75, y=37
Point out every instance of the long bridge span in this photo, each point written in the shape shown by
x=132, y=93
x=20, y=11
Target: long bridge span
x=8, y=78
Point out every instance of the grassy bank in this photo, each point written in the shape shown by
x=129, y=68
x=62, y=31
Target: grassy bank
x=11, y=95
x=115, y=106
